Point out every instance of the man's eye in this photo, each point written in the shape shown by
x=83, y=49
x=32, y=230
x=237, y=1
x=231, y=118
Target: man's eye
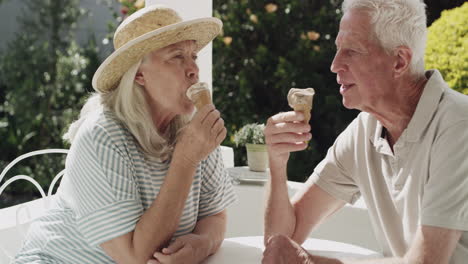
x=194, y=57
x=350, y=52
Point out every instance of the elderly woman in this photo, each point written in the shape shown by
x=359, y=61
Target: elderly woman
x=144, y=177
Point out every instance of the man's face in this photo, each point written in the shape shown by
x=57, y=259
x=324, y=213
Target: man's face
x=363, y=68
x=167, y=74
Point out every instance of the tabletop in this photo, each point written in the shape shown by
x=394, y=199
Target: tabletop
x=248, y=250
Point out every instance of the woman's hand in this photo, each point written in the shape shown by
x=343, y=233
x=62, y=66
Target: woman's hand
x=185, y=249
x=201, y=136
x=285, y=133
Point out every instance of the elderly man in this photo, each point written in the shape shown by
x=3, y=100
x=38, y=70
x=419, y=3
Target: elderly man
x=406, y=153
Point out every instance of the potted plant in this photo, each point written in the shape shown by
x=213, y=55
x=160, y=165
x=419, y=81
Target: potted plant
x=252, y=137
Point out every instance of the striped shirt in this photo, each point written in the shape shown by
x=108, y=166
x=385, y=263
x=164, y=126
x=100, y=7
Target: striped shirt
x=108, y=185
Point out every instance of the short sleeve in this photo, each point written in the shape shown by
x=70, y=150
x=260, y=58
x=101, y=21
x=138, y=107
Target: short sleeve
x=217, y=192
x=445, y=200
x=334, y=173
x=100, y=188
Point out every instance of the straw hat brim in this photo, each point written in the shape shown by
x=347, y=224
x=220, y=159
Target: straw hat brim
x=202, y=30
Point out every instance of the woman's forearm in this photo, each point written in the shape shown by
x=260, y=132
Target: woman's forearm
x=158, y=224
x=212, y=228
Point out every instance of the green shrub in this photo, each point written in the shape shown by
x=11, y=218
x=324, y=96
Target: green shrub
x=447, y=47
x=44, y=79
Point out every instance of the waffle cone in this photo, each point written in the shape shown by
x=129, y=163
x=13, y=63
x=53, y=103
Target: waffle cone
x=305, y=109
x=201, y=99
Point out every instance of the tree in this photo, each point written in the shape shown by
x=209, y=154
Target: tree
x=44, y=78
x=267, y=48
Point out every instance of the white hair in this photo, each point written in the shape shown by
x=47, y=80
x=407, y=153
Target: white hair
x=397, y=23
x=128, y=103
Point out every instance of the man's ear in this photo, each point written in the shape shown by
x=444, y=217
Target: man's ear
x=139, y=78
x=403, y=60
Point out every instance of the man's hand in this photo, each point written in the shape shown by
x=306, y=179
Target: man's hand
x=280, y=249
x=184, y=249
x=285, y=133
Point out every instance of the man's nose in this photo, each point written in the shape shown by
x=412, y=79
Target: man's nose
x=337, y=63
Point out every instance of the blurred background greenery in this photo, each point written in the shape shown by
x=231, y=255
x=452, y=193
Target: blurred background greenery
x=266, y=48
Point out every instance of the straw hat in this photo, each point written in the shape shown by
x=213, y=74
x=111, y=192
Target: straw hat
x=148, y=29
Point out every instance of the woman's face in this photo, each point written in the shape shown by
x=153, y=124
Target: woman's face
x=166, y=74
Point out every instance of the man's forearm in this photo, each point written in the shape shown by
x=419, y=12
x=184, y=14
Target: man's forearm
x=323, y=260
x=279, y=214
x=212, y=228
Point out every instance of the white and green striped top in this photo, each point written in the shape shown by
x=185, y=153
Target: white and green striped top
x=107, y=186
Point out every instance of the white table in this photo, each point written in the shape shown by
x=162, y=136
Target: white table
x=248, y=250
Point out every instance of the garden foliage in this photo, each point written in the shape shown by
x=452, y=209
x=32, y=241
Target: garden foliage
x=267, y=48
x=44, y=79
x=447, y=47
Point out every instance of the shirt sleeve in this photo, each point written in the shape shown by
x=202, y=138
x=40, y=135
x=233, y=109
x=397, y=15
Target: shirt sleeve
x=445, y=200
x=217, y=192
x=102, y=192
x=334, y=173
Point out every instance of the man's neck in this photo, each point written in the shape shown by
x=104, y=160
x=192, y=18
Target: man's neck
x=396, y=115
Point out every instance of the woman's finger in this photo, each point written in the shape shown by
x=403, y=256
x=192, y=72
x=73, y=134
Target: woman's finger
x=221, y=136
x=217, y=127
x=201, y=114
x=173, y=247
x=211, y=118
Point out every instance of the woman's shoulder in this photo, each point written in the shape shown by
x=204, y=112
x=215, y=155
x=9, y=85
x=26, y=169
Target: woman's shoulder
x=103, y=127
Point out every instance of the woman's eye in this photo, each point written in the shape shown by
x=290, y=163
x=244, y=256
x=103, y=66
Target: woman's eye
x=194, y=57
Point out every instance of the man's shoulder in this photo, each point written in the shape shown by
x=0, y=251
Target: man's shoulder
x=452, y=109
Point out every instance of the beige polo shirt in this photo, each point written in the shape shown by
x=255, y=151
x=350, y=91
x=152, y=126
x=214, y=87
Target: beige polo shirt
x=424, y=181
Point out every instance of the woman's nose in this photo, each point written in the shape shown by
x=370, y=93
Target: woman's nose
x=192, y=70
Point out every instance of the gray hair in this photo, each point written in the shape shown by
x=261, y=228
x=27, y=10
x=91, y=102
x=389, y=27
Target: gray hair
x=128, y=103
x=396, y=23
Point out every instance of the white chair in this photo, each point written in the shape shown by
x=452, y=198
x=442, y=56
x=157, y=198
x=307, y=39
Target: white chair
x=15, y=220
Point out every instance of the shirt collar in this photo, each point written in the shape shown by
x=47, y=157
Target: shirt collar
x=425, y=110
x=427, y=105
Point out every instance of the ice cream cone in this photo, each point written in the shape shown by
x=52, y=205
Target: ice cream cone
x=305, y=109
x=199, y=94
x=201, y=99
x=301, y=100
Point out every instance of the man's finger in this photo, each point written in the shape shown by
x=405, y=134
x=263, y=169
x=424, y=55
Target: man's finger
x=288, y=138
x=279, y=128
x=282, y=148
x=290, y=116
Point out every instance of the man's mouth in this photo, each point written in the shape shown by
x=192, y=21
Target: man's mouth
x=345, y=87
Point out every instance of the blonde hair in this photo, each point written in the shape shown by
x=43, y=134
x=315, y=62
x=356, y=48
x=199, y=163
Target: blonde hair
x=129, y=105
x=395, y=23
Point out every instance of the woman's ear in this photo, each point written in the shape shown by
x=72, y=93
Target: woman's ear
x=403, y=60
x=139, y=78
